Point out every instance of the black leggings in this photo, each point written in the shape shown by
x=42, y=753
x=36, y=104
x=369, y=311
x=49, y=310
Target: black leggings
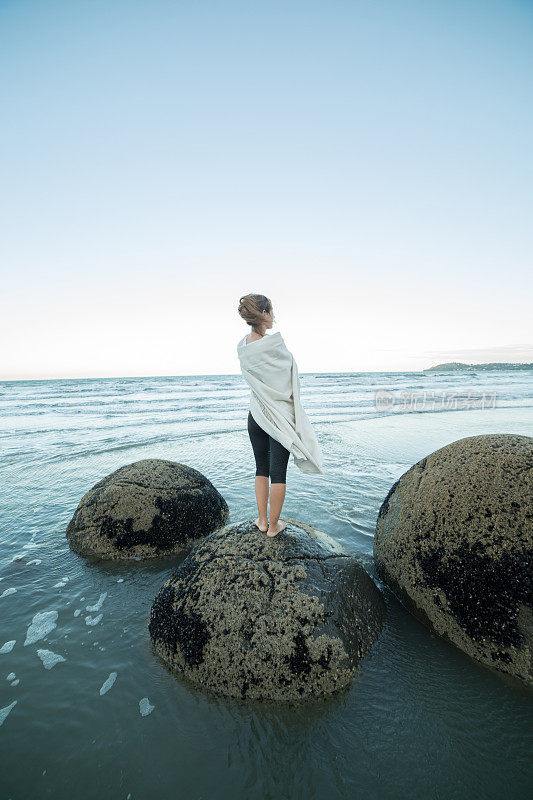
x=270, y=456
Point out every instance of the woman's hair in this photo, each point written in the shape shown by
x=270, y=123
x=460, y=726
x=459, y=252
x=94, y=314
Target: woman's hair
x=251, y=307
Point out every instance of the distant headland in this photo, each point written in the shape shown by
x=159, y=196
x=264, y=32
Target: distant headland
x=456, y=365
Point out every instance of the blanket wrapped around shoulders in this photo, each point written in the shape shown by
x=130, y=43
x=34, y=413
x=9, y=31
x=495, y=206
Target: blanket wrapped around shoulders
x=271, y=372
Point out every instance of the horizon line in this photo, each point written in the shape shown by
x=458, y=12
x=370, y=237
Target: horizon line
x=236, y=374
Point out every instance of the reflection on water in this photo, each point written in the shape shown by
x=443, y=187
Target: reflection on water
x=421, y=720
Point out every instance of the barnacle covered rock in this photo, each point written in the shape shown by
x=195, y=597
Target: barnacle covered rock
x=146, y=509
x=454, y=541
x=252, y=617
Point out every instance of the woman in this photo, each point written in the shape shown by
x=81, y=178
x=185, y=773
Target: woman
x=277, y=422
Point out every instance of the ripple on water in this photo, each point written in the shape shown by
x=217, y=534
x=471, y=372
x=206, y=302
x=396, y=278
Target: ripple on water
x=49, y=658
x=93, y=620
x=106, y=686
x=42, y=623
x=5, y=711
x=98, y=605
x=145, y=707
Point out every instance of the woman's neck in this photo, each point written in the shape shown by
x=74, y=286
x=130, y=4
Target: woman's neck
x=258, y=333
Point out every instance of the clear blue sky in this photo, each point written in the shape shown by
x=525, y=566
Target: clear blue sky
x=367, y=165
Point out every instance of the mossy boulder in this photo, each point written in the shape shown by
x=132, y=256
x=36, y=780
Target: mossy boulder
x=454, y=541
x=247, y=616
x=150, y=508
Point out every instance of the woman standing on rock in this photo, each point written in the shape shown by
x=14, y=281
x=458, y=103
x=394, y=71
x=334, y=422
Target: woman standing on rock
x=277, y=422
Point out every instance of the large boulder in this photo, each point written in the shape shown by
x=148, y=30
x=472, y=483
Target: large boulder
x=454, y=540
x=252, y=617
x=146, y=509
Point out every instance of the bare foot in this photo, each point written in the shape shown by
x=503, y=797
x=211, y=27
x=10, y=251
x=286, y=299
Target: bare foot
x=261, y=524
x=279, y=527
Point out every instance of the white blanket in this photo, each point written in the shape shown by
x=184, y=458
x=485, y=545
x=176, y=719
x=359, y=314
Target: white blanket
x=272, y=374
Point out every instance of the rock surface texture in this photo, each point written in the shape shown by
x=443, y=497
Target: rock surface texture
x=454, y=541
x=269, y=619
x=146, y=509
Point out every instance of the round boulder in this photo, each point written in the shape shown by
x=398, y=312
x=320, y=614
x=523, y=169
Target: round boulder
x=147, y=509
x=252, y=617
x=454, y=540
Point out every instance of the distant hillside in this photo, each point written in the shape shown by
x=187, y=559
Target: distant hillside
x=456, y=365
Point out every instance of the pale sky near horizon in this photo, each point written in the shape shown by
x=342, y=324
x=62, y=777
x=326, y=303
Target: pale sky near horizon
x=366, y=165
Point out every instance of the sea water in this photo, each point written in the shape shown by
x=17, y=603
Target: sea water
x=87, y=709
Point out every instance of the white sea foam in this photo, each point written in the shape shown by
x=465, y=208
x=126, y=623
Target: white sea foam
x=145, y=707
x=77, y=612
x=120, y=580
x=49, y=658
x=93, y=620
x=5, y=711
x=41, y=624
x=5, y=593
x=106, y=686
x=34, y=561
x=98, y=605
x=7, y=647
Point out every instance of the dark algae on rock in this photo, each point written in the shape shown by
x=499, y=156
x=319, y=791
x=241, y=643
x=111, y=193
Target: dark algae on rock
x=150, y=508
x=454, y=541
x=250, y=617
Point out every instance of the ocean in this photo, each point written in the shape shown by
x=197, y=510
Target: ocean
x=88, y=711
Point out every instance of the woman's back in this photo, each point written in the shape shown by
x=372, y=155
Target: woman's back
x=243, y=341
